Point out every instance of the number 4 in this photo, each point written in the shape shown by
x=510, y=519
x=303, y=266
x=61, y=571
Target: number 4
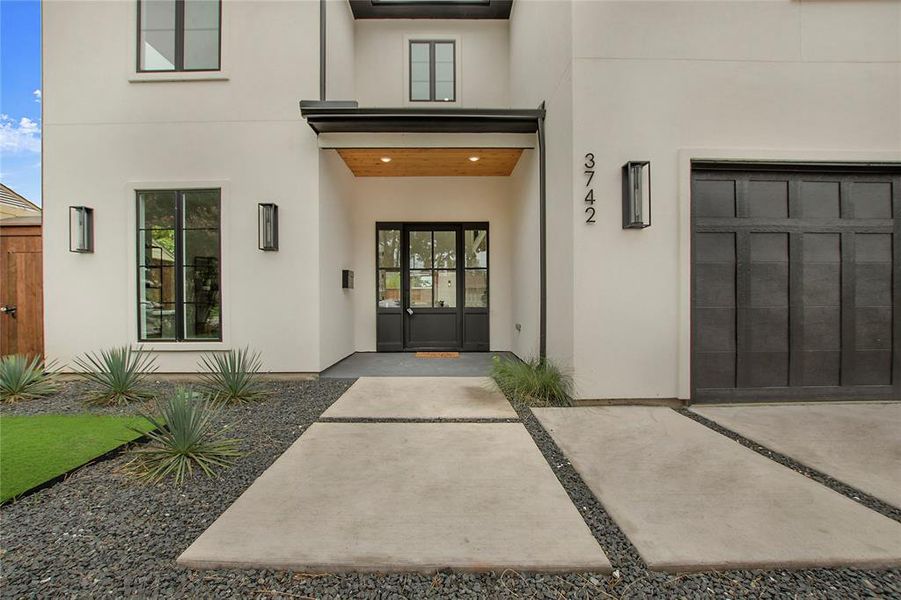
x=589, y=197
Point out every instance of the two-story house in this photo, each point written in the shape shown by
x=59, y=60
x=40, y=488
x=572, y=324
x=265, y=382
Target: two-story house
x=671, y=199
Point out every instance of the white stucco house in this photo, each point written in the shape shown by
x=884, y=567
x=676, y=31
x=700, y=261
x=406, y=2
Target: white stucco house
x=694, y=200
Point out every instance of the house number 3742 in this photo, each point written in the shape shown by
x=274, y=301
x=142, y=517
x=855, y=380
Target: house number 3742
x=589, y=194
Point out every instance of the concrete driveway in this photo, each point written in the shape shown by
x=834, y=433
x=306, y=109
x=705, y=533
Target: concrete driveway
x=856, y=443
x=692, y=499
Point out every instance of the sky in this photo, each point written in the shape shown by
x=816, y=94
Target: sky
x=20, y=97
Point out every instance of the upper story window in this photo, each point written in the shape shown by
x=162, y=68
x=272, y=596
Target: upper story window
x=433, y=71
x=179, y=35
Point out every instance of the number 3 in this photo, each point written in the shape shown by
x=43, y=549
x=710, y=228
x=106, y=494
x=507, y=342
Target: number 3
x=589, y=161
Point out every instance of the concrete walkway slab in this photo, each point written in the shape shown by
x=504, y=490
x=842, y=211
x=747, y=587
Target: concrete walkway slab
x=691, y=499
x=856, y=443
x=403, y=496
x=422, y=398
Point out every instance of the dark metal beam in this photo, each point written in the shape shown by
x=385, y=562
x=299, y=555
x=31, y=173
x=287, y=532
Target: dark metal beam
x=423, y=9
x=322, y=47
x=542, y=236
x=346, y=117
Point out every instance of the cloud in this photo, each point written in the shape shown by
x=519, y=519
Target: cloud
x=22, y=136
x=37, y=96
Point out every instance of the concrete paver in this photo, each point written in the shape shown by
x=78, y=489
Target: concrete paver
x=403, y=496
x=856, y=443
x=691, y=499
x=422, y=398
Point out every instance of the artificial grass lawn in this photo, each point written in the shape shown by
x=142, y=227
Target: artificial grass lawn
x=35, y=449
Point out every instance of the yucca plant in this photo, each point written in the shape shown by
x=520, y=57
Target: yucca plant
x=24, y=379
x=232, y=376
x=119, y=374
x=536, y=382
x=185, y=435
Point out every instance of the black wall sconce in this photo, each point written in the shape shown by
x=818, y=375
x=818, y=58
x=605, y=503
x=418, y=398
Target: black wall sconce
x=267, y=221
x=81, y=229
x=637, y=194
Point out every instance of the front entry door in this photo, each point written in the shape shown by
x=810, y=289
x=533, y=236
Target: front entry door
x=432, y=297
x=432, y=286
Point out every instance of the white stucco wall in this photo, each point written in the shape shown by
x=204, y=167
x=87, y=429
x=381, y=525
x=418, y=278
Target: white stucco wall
x=107, y=131
x=336, y=252
x=482, y=69
x=340, y=55
x=668, y=81
x=540, y=70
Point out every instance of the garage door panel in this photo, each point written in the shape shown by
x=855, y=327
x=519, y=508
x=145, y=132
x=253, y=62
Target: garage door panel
x=768, y=329
x=764, y=369
x=873, y=328
x=767, y=199
x=716, y=284
x=714, y=198
x=715, y=369
x=872, y=200
x=821, y=368
x=873, y=284
x=873, y=367
x=716, y=331
x=820, y=199
x=715, y=248
x=795, y=283
x=768, y=284
x=822, y=328
x=873, y=247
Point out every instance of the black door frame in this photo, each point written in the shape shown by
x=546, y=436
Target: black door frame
x=398, y=316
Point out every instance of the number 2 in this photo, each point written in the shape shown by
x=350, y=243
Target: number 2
x=590, y=218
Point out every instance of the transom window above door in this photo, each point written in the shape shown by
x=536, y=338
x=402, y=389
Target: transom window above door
x=179, y=35
x=433, y=71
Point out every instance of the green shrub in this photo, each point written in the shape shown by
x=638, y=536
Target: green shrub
x=119, y=374
x=537, y=382
x=185, y=434
x=232, y=376
x=24, y=379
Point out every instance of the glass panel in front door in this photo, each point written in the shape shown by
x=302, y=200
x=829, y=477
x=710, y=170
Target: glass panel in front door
x=433, y=269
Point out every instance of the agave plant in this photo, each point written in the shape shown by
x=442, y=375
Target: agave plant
x=24, y=379
x=537, y=382
x=118, y=373
x=185, y=435
x=232, y=376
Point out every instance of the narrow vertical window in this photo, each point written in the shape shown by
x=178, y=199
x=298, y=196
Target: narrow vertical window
x=433, y=71
x=179, y=269
x=389, y=268
x=475, y=246
x=179, y=35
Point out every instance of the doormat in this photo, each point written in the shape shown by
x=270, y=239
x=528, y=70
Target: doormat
x=437, y=355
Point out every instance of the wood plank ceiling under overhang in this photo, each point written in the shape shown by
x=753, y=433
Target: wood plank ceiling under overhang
x=431, y=162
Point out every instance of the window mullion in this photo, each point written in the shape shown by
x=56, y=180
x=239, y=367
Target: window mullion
x=179, y=267
x=180, y=35
x=432, y=71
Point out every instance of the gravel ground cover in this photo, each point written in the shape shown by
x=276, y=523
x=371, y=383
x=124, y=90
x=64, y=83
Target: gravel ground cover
x=100, y=533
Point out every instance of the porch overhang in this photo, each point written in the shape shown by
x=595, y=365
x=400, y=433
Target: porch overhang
x=347, y=117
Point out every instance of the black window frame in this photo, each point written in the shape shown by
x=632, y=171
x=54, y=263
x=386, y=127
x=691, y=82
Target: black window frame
x=431, y=43
x=179, y=43
x=179, y=267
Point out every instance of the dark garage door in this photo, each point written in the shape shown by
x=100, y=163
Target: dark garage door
x=795, y=282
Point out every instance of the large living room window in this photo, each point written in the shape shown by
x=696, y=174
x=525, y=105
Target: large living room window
x=433, y=71
x=179, y=35
x=179, y=265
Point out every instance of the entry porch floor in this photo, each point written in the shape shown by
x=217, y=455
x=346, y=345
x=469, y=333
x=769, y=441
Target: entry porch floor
x=414, y=364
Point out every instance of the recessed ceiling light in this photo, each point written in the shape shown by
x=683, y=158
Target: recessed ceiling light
x=474, y=158
x=385, y=159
